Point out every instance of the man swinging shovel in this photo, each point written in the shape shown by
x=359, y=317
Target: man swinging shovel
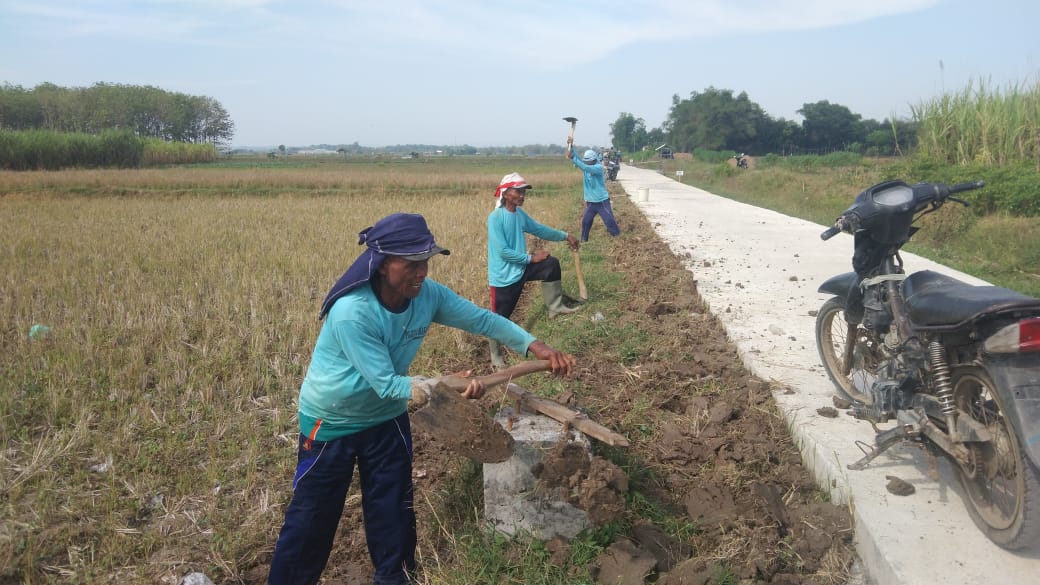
x=353, y=402
x=511, y=266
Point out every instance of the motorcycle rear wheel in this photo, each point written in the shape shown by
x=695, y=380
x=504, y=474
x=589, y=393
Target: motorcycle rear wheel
x=1001, y=484
x=832, y=339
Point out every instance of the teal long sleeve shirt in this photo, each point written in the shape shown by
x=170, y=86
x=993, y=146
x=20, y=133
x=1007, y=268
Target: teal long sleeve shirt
x=595, y=184
x=507, y=246
x=358, y=378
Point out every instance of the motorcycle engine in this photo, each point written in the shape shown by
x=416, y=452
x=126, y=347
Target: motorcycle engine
x=893, y=389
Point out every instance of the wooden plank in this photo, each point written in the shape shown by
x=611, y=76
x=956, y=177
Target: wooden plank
x=566, y=415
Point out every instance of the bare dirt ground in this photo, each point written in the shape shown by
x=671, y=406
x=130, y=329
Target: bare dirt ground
x=712, y=448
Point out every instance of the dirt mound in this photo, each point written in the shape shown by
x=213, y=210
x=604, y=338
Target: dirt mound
x=593, y=484
x=716, y=446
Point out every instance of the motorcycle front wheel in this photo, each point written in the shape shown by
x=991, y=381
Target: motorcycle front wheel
x=851, y=369
x=1001, y=484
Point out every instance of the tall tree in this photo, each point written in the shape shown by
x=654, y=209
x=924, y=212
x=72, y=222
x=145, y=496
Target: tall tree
x=781, y=136
x=628, y=133
x=19, y=110
x=146, y=111
x=830, y=127
x=714, y=120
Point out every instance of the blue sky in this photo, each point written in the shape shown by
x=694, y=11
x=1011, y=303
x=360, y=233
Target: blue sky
x=503, y=72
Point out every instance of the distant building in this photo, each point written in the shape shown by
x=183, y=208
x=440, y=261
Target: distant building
x=317, y=152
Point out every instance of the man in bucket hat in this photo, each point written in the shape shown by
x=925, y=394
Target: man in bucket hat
x=597, y=199
x=510, y=266
x=353, y=404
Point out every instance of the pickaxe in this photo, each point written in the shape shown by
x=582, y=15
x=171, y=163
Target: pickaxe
x=573, y=121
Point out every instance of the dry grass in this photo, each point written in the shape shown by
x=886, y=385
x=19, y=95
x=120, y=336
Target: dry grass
x=151, y=431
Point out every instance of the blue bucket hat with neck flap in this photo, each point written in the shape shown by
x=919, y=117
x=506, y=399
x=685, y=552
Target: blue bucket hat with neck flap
x=399, y=234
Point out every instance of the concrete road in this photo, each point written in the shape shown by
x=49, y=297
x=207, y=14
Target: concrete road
x=759, y=270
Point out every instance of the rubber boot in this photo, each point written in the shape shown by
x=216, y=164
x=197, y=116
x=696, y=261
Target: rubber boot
x=556, y=301
x=498, y=361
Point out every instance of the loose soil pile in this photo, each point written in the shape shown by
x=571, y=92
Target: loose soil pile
x=710, y=447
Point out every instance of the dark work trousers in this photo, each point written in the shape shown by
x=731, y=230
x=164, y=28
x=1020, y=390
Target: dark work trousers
x=383, y=455
x=505, y=298
x=603, y=209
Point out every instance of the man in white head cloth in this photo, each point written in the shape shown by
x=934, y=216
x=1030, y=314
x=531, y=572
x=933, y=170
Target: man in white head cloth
x=510, y=265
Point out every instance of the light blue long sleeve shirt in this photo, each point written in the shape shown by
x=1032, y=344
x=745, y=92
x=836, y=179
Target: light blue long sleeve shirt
x=357, y=375
x=507, y=246
x=595, y=187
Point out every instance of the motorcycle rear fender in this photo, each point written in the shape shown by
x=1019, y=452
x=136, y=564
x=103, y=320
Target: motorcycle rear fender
x=1017, y=381
x=839, y=285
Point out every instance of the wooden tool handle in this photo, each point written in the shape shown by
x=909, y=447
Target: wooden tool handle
x=459, y=384
x=521, y=369
x=582, y=291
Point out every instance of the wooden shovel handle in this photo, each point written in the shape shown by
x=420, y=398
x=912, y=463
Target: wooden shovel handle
x=582, y=291
x=459, y=384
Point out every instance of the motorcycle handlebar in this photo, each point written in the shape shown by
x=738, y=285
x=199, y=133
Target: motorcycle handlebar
x=833, y=230
x=966, y=186
x=934, y=194
x=938, y=193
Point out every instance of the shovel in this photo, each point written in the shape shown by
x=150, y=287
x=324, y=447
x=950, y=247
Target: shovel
x=462, y=425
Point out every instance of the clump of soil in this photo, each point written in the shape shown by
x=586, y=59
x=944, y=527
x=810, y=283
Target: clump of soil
x=595, y=485
x=462, y=426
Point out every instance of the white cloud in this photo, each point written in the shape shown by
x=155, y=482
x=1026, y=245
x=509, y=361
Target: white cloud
x=540, y=33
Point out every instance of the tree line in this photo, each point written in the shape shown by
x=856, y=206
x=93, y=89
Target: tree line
x=716, y=119
x=148, y=112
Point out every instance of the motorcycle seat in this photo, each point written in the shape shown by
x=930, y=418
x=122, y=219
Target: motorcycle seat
x=934, y=299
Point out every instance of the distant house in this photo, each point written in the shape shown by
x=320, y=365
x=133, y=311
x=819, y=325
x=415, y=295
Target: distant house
x=316, y=152
x=664, y=151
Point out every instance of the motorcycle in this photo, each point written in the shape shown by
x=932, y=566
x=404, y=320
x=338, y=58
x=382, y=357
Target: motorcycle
x=956, y=365
x=612, y=165
x=741, y=161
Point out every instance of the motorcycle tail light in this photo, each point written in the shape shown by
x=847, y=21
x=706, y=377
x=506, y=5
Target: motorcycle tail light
x=1029, y=335
x=1018, y=337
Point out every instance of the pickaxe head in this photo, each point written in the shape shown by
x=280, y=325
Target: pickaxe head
x=570, y=119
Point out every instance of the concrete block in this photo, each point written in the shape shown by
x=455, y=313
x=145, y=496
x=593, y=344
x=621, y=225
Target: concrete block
x=512, y=504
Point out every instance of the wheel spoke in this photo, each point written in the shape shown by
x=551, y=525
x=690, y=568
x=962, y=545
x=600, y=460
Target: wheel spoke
x=849, y=356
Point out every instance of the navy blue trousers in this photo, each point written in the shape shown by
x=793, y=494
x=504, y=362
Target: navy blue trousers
x=603, y=209
x=383, y=455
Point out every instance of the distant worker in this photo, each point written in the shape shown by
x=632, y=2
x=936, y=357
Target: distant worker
x=353, y=403
x=510, y=266
x=597, y=199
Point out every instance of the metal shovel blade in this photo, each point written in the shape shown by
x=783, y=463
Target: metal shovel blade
x=462, y=425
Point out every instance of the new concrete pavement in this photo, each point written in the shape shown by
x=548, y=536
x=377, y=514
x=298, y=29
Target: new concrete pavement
x=759, y=270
